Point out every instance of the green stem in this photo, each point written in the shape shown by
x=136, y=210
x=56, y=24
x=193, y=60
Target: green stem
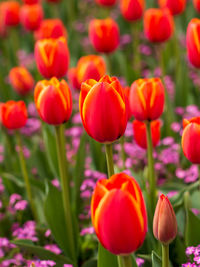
x=151, y=170
x=123, y=153
x=124, y=261
x=165, y=255
x=136, y=50
x=25, y=175
x=108, y=64
x=109, y=159
x=60, y=145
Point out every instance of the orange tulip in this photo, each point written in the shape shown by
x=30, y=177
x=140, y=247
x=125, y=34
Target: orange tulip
x=104, y=35
x=31, y=16
x=158, y=25
x=106, y=2
x=50, y=28
x=21, y=80
x=176, y=7
x=9, y=12
x=147, y=98
x=164, y=221
x=193, y=42
x=140, y=136
x=52, y=57
x=191, y=139
x=132, y=10
x=118, y=214
x=196, y=4
x=103, y=109
x=53, y=101
x=72, y=77
x=14, y=114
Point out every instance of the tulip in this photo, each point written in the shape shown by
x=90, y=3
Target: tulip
x=140, y=136
x=164, y=221
x=72, y=77
x=9, y=12
x=50, y=28
x=118, y=214
x=104, y=35
x=158, y=25
x=193, y=42
x=176, y=7
x=103, y=109
x=21, y=80
x=31, y=16
x=53, y=101
x=52, y=57
x=31, y=2
x=132, y=10
x=196, y=4
x=14, y=115
x=191, y=139
x=107, y=3
x=147, y=99
x=127, y=94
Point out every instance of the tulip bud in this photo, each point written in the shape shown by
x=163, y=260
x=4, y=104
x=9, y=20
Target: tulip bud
x=196, y=4
x=53, y=101
x=164, y=221
x=14, y=114
x=31, y=16
x=132, y=10
x=193, y=42
x=21, y=80
x=140, y=136
x=72, y=77
x=31, y=2
x=52, y=57
x=176, y=7
x=108, y=3
x=147, y=98
x=103, y=109
x=158, y=25
x=104, y=35
x=118, y=214
x=9, y=12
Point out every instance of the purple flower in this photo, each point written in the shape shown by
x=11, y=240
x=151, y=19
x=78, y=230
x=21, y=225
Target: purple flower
x=21, y=205
x=189, y=251
x=53, y=248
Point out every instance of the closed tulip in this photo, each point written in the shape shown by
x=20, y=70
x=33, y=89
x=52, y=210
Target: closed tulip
x=164, y=221
x=50, y=28
x=72, y=77
x=107, y=3
x=196, y=4
x=158, y=25
x=31, y=16
x=118, y=214
x=191, y=139
x=53, y=101
x=21, y=80
x=14, y=114
x=176, y=7
x=193, y=42
x=132, y=10
x=127, y=94
x=147, y=98
x=52, y=57
x=9, y=12
x=103, y=109
x=140, y=136
x=31, y=2
x=104, y=35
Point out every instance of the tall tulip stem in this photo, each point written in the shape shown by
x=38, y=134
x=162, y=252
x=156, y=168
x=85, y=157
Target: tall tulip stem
x=60, y=144
x=165, y=255
x=109, y=159
x=124, y=261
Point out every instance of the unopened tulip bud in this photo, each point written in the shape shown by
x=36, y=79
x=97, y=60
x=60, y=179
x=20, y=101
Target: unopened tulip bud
x=175, y=6
x=31, y=16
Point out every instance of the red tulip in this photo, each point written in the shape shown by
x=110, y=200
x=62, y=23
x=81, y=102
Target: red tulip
x=191, y=139
x=147, y=98
x=53, y=101
x=31, y=16
x=52, y=57
x=140, y=136
x=196, y=4
x=21, y=80
x=164, y=221
x=193, y=42
x=176, y=7
x=118, y=214
x=103, y=109
x=72, y=77
x=158, y=25
x=14, y=114
x=31, y=2
x=127, y=94
x=106, y=2
x=132, y=10
x=104, y=35
x=9, y=13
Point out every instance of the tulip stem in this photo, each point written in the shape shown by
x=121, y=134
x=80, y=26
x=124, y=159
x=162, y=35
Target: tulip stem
x=136, y=50
x=60, y=145
x=108, y=64
x=109, y=159
x=123, y=153
x=25, y=176
x=151, y=170
x=124, y=261
x=165, y=255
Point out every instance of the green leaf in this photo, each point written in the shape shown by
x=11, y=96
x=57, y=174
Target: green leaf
x=90, y=263
x=156, y=260
x=134, y=264
x=98, y=156
x=105, y=258
x=42, y=253
x=192, y=233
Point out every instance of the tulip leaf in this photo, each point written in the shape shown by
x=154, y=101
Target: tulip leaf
x=90, y=263
x=105, y=258
x=192, y=235
x=98, y=156
x=156, y=260
x=134, y=264
x=42, y=253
